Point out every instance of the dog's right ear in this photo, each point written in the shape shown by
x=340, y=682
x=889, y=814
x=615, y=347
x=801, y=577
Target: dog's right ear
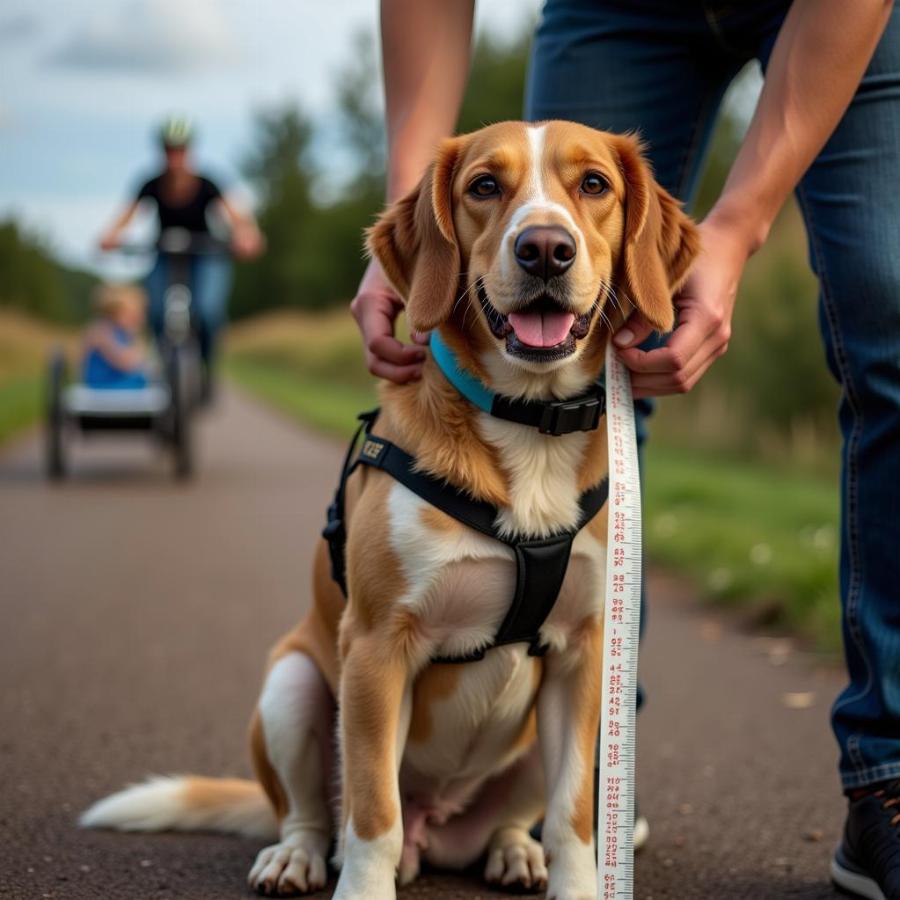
x=414, y=240
x=660, y=241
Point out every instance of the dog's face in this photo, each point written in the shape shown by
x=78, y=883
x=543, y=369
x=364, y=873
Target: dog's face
x=524, y=237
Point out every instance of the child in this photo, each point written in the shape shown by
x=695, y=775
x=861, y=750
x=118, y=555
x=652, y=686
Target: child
x=115, y=356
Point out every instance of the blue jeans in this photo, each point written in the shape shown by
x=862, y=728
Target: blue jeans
x=662, y=66
x=210, y=286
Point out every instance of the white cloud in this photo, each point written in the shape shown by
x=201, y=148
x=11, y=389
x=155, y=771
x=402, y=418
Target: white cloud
x=154, y=36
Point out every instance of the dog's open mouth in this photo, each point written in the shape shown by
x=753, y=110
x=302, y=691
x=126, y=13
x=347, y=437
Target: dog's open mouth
x=543, y=331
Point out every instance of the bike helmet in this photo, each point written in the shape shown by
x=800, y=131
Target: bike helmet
x=176, y=131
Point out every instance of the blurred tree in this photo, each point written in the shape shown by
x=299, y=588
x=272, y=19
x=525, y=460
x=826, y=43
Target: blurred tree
x=279, y=170
x=361, y=119
x=33, y=281
x=497, y=81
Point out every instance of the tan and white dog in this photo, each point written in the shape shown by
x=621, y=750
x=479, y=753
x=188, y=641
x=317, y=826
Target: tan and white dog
x=523, y=244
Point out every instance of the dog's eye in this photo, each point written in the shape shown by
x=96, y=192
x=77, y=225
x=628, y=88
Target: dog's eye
x=594, y=184
x=484, y=186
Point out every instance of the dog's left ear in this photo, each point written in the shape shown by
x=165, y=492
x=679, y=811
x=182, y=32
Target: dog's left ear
x=415, y=242
x=660, y=241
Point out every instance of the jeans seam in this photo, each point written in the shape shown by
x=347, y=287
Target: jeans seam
x=851, y=513
x=691, y=149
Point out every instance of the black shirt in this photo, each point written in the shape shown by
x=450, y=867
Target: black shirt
x=191, y=215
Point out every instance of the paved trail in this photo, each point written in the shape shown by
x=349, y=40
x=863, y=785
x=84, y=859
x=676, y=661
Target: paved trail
x=135, y=618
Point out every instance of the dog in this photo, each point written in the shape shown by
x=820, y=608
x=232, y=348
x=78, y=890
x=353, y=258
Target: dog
x=524, y=247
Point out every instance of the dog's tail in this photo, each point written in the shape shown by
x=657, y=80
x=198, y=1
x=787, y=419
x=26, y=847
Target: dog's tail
x=187, y=803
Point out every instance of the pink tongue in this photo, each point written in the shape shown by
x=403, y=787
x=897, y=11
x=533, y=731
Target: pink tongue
x=542, y=329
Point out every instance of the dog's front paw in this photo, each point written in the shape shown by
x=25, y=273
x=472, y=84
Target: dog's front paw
x=573, y=872
x=295, y=866
x=515, y=860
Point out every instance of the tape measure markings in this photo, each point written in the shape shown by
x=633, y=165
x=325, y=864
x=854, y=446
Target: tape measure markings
x=621, y=633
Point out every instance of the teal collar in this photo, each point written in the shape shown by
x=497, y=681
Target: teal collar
x=555, y=417
x=472, y=388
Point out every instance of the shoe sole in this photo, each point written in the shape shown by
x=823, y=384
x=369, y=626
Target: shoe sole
x=853, y=883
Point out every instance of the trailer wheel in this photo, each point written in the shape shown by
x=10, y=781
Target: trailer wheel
x=54, y=436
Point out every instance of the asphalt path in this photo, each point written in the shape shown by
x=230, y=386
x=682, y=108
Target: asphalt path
x=136, y=613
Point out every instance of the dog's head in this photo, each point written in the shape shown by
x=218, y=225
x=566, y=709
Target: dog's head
x=521, y=238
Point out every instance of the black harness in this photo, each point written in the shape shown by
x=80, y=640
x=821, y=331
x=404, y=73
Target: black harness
x=541, y=563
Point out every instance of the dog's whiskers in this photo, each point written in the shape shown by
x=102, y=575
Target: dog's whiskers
x=466, y=296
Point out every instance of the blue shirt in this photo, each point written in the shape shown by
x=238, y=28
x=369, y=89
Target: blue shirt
x=99, y=372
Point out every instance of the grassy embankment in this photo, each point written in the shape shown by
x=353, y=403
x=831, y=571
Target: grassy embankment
x=756, y=535
x=25, y=346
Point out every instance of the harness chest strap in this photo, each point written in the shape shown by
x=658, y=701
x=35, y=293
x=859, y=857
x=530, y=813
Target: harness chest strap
x=541, y=563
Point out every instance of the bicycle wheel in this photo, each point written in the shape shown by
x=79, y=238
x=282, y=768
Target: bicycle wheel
x=179, y=372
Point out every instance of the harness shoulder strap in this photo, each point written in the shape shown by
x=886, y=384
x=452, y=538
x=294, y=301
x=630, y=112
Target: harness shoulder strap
x=382, y=454
x=335, y=531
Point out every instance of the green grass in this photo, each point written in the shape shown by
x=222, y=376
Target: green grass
x=330, y=406
x=307, y=366
x=746, y=534
x=20, y=404
x=25, y=346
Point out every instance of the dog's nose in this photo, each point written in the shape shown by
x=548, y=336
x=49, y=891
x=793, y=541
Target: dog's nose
x=545, y=250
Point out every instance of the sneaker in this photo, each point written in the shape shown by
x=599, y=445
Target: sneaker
x=867, y=862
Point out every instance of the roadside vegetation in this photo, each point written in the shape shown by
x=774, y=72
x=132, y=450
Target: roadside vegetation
x=305, y=365
x=25, y=345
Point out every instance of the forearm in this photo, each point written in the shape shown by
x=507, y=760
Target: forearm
x=426, y=45
x=819, y=58
x=123, y=219
x=237, y=216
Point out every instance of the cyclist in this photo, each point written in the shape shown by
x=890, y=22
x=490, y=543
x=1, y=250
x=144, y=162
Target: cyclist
x=187, y=200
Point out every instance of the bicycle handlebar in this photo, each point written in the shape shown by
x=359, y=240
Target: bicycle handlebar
x=179, y=242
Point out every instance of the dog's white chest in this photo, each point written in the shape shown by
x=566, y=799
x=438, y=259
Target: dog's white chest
x=542, y=475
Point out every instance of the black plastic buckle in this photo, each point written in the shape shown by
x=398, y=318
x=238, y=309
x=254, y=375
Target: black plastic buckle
x=334, y=526
x=566, y=416
x=336, y=537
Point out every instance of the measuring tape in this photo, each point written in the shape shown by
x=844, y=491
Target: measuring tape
x=621, y=633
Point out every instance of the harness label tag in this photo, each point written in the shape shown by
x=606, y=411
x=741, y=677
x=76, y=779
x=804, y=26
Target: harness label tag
x=372, y=448
x=622, y=617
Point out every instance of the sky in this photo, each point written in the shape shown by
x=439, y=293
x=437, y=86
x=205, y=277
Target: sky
x=83, y=83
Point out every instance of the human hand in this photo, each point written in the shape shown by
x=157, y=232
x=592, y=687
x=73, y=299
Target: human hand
x=375, y=308
x=247, y=242
x=110, y=241
x=704, y=307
